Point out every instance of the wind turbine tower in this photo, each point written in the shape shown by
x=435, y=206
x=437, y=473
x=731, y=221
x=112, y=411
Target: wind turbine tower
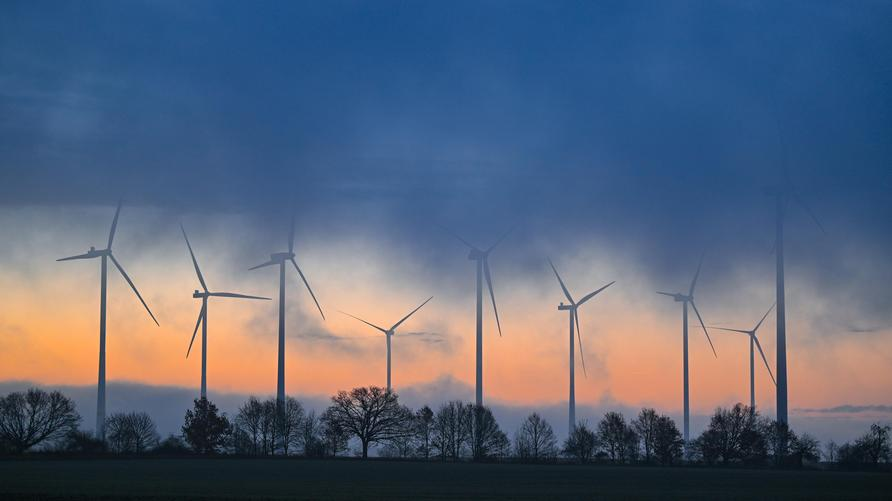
x=104, y=255
x=281, y=259
x=204, y=294
x=388, y=333
x=685, y=300
x=573, y=308
x=481, y=257
x=754, y=343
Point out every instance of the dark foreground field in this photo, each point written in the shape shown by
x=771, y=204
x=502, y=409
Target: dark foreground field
x=349, y=479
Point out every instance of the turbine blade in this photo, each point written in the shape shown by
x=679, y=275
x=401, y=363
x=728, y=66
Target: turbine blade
x=767, y=366
x=763, y=318
x=302, y=277
x=201, y=315
x=807, y=210
x=666, y=294
x=79, y=256
x=704, y=329
x=236, y=295
x=579, y=340
x=730, y=330
x=563, y=287
x=499, y=240
x=111, y=233
x=132, y=286
x=595, y=293
x=268, y=263
x=291, y=236
x=194, y=261
x=363, y=321
x=460, y=239
x=492, y=295
x=696, y=275
x=410, y=314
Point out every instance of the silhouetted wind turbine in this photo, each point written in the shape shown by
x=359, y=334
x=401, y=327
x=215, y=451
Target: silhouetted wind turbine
x=105, y=255
x=482, y=258
x=754, y=341
x=783, y=193
x=388, y=333
x=281, y=258
x=204, y=294
x=686, y=299
x=574, y=322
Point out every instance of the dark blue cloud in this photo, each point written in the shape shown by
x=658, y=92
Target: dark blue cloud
x=649, y=123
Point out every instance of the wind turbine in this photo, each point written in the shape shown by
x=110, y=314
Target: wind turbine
x=482, y=258
x=785, y=192
x=280, y=259
x=104, y=255
x=754, y=341
x=574, y=322
x=204, y=294
x=686, y=299
x=388, y=333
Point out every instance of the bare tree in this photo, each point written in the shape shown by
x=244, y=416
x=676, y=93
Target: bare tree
x=739, y=434
x=405, y=443
x=619, y=441
x=451, y=430
x=779, y=440
x=311, y=435
x=807, y=448
x=81, y=442
x=291, y=417
x=35, y=417
x=535, y=439
x=131, y=432
x=667, y=441
x=831, y=452
x=371, y=414
x=876, y=444
x=645, y=425
x=335, y=437
x=486, y=438
x=424, y=428
x=269, y=427
x=257, y=427
x=581, y=443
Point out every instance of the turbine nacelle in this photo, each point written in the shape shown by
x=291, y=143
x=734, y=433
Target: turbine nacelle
x=477, y=255
x=281, y=257
x=100, y=252
x=564, y=307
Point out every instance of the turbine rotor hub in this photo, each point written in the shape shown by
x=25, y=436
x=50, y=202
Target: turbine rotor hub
x=476, y=255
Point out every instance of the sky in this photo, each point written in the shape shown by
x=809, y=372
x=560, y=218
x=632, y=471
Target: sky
x=620, y=139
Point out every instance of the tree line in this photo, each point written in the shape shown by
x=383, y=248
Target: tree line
x=368, y=417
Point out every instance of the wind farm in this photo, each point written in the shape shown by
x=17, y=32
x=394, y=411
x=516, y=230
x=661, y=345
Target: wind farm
x=684, y=203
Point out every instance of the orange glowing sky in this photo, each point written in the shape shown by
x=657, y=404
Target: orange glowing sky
x=632, y=337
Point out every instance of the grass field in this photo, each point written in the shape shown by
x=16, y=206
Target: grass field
x=352, y=479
